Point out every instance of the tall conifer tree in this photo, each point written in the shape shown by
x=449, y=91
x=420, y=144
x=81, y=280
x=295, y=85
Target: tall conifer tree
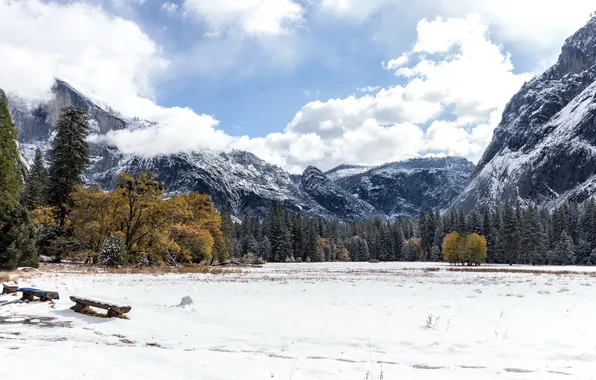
x=69, y=158
x=36, y=183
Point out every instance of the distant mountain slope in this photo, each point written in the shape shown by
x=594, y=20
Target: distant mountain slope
x=544, y=149
x=403, y=188
x=240, y=181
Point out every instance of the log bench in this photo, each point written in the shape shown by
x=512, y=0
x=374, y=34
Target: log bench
x=29, y=294
x=114, y=310
x=9, y=288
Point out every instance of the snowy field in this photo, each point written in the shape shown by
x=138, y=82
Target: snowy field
x=309, y=322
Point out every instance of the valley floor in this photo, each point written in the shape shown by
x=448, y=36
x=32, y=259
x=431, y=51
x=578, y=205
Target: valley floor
x=352, y=321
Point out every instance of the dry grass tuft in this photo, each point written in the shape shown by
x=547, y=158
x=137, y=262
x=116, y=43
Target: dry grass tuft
x=5, y=277
x=199, y=269
x=88, y=310
x=521, y=271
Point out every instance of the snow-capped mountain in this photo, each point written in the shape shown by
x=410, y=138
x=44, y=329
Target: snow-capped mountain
x=544, y=149
x=240, y=181
x=403, y=188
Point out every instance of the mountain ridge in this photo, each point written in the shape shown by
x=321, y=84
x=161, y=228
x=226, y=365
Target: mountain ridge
x=238, y=181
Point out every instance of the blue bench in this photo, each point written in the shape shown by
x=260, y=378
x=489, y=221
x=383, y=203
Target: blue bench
x=29, y=294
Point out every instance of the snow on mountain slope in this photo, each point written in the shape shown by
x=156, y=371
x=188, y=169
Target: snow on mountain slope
x=544, y=149
x=406, y=187
x=238, y=181
x=345, y=170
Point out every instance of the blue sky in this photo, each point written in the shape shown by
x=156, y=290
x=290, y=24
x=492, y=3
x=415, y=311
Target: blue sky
x=351, y=60
x=283, y=78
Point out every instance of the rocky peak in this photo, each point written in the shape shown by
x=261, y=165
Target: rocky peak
x=579, y=51
x=543, y=149
x=312, y=176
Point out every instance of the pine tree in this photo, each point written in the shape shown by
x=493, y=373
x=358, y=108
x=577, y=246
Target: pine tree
x=582, y=252
x=386, y=245
x=495, y=245
x=474, y=223
x=488, y=233
x=565, y=250
x=588, y=222
x=412, y=250
x=428, y=229
x=461, y=222
x=36, y=183
x=312, y=252
x=510, y=236
x=358, y=249
x=265, y=248
x=69, y=158
x=398, y=242
x=10, y=175
x=279, y=235
x=438, y=238
x=250, y=245
x=18, y=240
x=592, y=258
x=533, y=241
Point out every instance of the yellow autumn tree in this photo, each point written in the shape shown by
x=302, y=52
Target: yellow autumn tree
x=182, y=228
x=343, y=255
x=467, y=249
x=92, y=217
x=475, y=248
x=44, y=215
x=452, y=248
x=206, y=221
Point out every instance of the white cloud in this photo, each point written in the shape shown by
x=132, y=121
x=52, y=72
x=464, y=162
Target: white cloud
x=105, y=53
x=461, y=79
x=461, y=93
x=398, y=62
x=536, y=25
x=169, y=7
x=368, y=89
x=253, y=17
x=358, y=10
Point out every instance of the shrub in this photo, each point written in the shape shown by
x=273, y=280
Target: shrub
x=112, y=252
x=252, y=259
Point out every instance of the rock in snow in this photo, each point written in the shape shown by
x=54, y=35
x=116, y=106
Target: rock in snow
x=186, y=301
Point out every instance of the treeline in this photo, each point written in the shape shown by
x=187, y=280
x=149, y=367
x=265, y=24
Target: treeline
x=48, y=212
x=512, y=234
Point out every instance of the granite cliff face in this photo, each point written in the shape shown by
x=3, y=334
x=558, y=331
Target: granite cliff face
x=544, y=149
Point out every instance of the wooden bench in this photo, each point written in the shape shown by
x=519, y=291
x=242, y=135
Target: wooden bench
x=114, y=310
x=9, y=288
x=29, y=294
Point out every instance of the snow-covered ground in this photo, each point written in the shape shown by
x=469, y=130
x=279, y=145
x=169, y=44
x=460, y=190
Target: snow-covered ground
x=308, y=322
